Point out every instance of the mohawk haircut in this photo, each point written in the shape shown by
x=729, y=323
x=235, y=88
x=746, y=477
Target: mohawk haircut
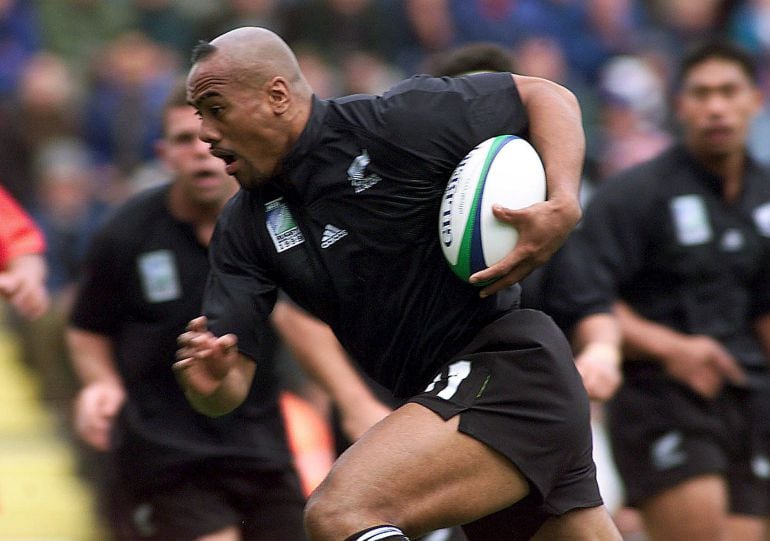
x=201, y=51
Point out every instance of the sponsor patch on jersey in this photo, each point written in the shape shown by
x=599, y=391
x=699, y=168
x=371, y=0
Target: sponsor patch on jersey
x=761, y=216
x=691, y=220
x=357, y=173
x=159, y=276
x=281, y=225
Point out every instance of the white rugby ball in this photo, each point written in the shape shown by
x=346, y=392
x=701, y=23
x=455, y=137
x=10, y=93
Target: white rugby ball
x=504, y=170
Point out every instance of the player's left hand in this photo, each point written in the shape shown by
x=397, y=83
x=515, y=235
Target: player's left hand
x=543, y=228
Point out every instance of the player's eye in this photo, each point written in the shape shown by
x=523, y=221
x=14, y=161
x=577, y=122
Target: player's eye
x=185, y=139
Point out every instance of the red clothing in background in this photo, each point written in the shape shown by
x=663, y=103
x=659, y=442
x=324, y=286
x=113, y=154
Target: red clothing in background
x=18, y=233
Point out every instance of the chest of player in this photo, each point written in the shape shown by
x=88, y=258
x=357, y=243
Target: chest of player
x=166, y=274
x=352, y=217
x=699, y=236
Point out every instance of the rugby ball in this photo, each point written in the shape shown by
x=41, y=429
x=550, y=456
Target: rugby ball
x=504, y=170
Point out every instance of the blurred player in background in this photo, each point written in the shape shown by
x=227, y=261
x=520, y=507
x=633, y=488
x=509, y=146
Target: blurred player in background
x=685, y=241
x=173, y=473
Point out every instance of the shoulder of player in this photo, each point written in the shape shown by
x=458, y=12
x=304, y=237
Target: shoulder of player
x=244, y=206
x=759, y=174
x=640, y=184
x=131, y=219
x=410, y=94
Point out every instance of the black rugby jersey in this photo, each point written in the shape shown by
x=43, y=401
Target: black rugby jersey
x=143, y=281
x=680, y=255
x=350, y=230
x=568, y=287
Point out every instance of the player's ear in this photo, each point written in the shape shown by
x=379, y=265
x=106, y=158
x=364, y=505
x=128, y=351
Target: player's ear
x=278, y=94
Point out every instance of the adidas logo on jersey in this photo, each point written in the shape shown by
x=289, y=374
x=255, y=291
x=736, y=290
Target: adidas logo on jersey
x=331, y=235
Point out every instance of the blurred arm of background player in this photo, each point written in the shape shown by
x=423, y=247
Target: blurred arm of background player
x=597, y=341
x=762, y=329
x=316, y=349
x=22, y=265
x=102, y=393
x=698, y=361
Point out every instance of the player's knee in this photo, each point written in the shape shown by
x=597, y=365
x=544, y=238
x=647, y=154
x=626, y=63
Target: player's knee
x=325, y=518
x=330, y=514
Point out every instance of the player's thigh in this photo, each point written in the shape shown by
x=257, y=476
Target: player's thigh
x=693, y=509
x=746, y=528
x=415, y=470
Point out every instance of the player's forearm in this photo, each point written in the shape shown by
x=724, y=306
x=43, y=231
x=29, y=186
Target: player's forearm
x=230, y=393
x=317, y=350
x=645, y=338
x=556, y=131
x=597, y=329
x=762, y=328
x=92, y=357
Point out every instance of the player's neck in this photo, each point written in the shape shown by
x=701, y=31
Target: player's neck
x=202, y=217
x=729, y=168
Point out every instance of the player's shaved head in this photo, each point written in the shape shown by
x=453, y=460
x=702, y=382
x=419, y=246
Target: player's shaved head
x=252, y=98
x=252, y=56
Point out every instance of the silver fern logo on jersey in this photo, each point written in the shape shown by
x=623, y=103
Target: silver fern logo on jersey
x=356, y=173
x=281, y=225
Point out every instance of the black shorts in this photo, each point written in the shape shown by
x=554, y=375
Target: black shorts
x=202, y=500
x=662, y=433
x=516, y=388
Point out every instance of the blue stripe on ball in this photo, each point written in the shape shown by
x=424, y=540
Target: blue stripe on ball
x=477, y=261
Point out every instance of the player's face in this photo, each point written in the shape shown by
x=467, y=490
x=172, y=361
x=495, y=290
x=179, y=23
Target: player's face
x=239, y=121
x=202, y=175
x=715, y=105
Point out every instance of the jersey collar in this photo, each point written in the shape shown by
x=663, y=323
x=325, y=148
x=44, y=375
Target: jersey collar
x=709, y=179
x=309, y=136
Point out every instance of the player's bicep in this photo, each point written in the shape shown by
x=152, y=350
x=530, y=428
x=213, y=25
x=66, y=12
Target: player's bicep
x=443, y=118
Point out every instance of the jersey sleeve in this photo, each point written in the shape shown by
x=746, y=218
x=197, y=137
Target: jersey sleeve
x=239, y=293
x=575, y=285
x=615, y=230
x=442, y=118
x=18, y=233
x=760, y=301
x=98, y=305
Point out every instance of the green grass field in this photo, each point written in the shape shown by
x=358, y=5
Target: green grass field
x=41, y=496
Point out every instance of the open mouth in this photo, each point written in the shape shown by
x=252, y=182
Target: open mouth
x=204, y=173
x=230, y=159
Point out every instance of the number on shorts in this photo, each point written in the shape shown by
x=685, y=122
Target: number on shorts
x=457, y=373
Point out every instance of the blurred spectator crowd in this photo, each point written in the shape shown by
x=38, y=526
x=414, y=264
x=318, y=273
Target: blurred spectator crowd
x=83, y=82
